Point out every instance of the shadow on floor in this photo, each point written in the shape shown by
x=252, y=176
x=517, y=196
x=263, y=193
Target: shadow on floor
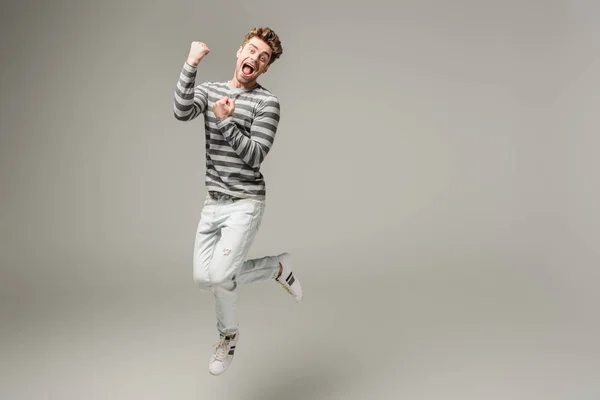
x=313, y=375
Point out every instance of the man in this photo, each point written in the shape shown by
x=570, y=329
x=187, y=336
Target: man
x=240, y=121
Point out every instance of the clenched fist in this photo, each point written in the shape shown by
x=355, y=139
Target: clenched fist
x=197, y=52
x=223, y=108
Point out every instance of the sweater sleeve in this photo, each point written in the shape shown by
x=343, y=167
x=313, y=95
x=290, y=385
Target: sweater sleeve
x=189, y=101
x=253, y=149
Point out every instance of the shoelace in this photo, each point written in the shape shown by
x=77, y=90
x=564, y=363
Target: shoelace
x=222, y=349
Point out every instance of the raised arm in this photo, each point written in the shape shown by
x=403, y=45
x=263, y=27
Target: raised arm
x=189, y=100
x=253, y=149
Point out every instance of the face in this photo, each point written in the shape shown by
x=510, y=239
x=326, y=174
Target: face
x=252, y=61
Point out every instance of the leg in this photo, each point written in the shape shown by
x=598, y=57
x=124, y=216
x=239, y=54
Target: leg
x=238, y=222
x=207, y=235
x=257, y=270
x=277, y=267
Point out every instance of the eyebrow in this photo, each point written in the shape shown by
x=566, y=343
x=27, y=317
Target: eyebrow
x=264, y=52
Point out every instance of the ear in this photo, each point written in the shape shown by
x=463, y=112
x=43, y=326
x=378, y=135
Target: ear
x=238, y=52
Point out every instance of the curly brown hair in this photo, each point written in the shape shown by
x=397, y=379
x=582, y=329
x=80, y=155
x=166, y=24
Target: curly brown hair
x=269, y=37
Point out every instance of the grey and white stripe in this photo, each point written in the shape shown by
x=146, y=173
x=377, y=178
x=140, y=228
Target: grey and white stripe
x=235, y=146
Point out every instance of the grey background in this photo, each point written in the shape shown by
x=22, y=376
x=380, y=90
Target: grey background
x=434, y=175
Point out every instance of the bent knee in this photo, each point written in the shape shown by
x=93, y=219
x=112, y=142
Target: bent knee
x=212, y=275
x=202, y=280
x=201, y=276
x=210, y=282
x=220, y=278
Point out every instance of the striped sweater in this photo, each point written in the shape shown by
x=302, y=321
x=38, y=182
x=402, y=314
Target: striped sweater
x=235, y=146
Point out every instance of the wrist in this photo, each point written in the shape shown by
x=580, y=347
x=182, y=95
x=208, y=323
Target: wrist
x=192, y=62
x=222, y=120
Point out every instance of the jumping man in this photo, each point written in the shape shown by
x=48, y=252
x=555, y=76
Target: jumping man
x=240, y=122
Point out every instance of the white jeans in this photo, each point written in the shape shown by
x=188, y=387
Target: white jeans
x=225, y=233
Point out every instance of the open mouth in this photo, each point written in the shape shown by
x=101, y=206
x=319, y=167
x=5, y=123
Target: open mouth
x=247, y=69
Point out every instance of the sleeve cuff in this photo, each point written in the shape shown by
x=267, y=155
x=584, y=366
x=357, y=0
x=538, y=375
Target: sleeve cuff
x=188, y=67
x=224, y=122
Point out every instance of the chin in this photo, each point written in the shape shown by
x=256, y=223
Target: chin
x=242, y=78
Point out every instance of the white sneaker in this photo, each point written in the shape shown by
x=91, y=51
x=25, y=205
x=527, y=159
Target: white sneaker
x=223, y=355
x=287, y=279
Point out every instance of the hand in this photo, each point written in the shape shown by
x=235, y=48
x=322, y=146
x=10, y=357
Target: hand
x=223, y=108
x=197, y=52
